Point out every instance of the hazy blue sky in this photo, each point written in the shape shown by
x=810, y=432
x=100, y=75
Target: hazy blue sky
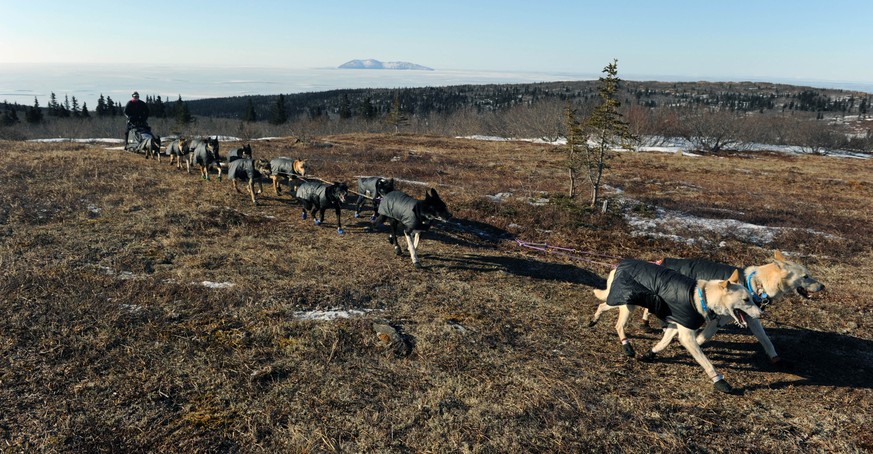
x=799, y=39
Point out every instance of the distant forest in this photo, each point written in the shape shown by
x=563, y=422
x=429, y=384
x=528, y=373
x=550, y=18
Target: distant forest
x=423, y=102
x=713, y=116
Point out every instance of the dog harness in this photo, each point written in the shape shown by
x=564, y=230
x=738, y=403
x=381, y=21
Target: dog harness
x=663, y=291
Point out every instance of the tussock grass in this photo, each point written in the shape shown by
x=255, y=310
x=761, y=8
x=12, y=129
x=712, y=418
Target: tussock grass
x=110, y=341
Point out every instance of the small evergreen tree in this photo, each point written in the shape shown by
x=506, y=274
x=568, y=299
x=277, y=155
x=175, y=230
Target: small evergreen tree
x=250, y=115
x=101, y=109
x=33, y=114
x=85, y=113
x=110, y=107
x=345, y=107
x=396, y=117
x=367, y=109
x=606, y=129
x=278, y=115
x=183, y=115
x=75, y=107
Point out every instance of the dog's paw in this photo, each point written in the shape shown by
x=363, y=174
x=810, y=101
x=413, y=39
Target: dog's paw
x=417, y=265
x=723, y=386
x=303, y=216
x=317, y=222
x=781, y=364
x=340, y=231
x=397, y=251
x=357, y=215
x=592, y=323
x=648, y=357
x=629, y=350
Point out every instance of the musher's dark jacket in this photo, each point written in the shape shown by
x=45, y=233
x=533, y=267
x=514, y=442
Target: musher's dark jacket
x=136, y=111
x=398, y=205
x=663, y=291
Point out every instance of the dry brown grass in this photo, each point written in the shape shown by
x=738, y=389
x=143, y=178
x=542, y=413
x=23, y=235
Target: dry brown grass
x=109, y=341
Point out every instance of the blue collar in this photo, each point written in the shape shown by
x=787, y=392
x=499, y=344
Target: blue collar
x=756, y=298
x=703, y=305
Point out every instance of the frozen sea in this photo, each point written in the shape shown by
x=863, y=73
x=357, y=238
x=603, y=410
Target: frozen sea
x=23, y=83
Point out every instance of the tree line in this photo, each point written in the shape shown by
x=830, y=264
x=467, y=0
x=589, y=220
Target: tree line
x=712, y=116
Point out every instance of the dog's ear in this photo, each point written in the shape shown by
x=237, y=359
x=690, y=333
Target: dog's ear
x=432, y=194
x=778, y=256
x=734, y=279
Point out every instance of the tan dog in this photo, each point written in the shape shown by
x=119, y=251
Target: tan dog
x=685, y=303
x=290, y=169
x=177, y=150
x=766, y=283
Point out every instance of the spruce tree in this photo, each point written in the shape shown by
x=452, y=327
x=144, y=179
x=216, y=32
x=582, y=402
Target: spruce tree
x=33, y=114
x=85, y=113
x=606, y=129
x=345, y=107
x=183, y=115
x=396, y=117
x=250, y=115
x=100, y=110
x=278, y=115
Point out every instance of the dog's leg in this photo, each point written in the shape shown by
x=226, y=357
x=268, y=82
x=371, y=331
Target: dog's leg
x=687, y=339
x=358, y=206
x=251, y=191
x=758, y=330
x=669, y=333
x=392, y=237
x=624, y=313
x=708, y=331
x=339, y=223
x=412, y=252
x=601, y=308
x=320, y=219
x=415, y=241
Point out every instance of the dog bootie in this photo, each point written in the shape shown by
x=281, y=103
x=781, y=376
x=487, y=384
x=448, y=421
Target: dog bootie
x=629, y=350
x=303, y=216
x=317, y=222
x=340, y=231
x=648, y=357
x=723, y=386
x=357, y=215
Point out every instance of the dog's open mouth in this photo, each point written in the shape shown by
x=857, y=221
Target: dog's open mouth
x=740, y=318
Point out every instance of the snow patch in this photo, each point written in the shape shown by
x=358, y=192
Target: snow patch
x=331, y=314
x=217, y=285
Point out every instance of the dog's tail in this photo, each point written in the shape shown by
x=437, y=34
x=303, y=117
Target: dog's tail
x=602, y=294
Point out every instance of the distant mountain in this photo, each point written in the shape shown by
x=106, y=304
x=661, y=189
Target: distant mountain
x=376, y=64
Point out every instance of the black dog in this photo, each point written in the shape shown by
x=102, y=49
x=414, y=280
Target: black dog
x=416, y=216
x=316, y=196
x=372, y=188
x=204, y=153
x=242, y=152
x=249, y=170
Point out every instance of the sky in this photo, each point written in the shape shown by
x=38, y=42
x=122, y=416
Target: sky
x=700, y=39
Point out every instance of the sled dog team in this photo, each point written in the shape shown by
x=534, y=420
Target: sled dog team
x=693, y=297
x=404, y=213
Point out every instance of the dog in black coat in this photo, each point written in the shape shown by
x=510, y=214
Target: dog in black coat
x=414, y=215
x=242, y=152
x=372, y=188
x=318, y=197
